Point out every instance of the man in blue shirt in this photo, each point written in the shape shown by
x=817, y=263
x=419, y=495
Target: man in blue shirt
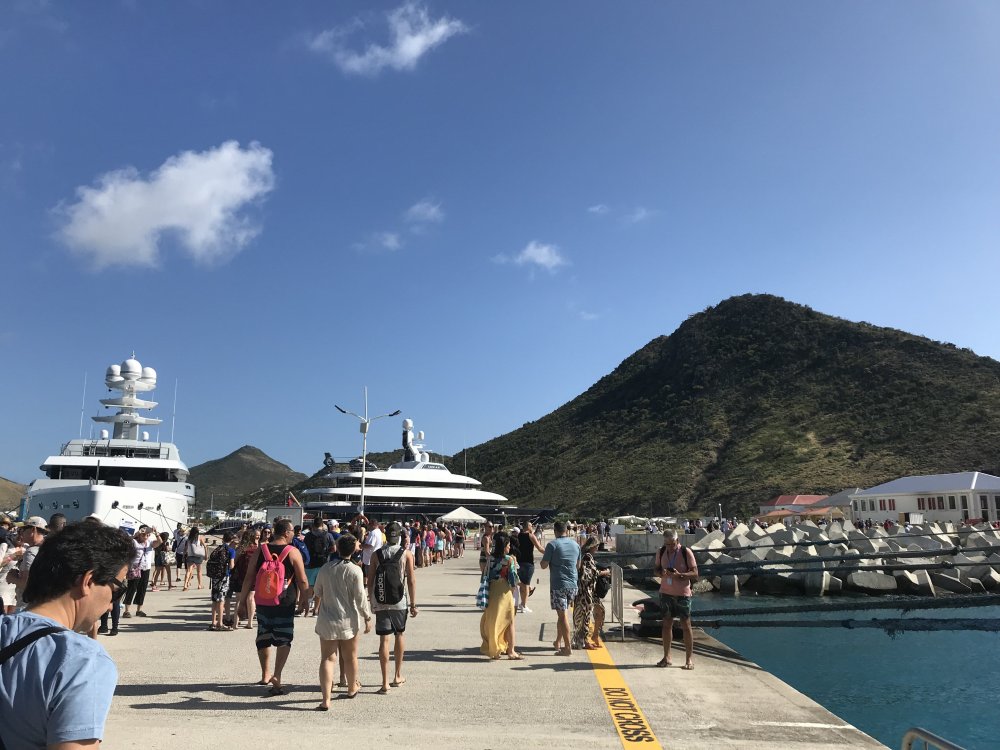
x=562, y=556
x=55, y=684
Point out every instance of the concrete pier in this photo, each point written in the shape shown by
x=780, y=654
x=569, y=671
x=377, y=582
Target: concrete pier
x=182, y=686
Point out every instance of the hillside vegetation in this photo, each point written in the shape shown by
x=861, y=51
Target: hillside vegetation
x=752, y=398
x=10, y=494
x=245, y=474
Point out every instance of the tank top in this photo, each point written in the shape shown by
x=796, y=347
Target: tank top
x=527, y=548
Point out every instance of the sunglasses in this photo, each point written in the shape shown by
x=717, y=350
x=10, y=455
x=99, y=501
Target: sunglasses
x=116, y=585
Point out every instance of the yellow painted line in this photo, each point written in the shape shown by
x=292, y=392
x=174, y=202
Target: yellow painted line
x=630, y=722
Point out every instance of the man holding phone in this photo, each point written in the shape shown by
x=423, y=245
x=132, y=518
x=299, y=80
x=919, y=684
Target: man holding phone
x=677, y=569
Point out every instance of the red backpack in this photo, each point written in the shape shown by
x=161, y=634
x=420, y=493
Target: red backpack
x=269, y=585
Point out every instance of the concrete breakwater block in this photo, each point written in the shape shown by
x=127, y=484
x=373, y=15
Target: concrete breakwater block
x=710, y=540
x=950, y=583
x=914, y=582
x=815, y=584
x=871, y=582
x=991, y=580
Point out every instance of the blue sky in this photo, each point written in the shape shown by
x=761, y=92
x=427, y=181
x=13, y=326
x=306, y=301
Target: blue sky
x=475, y=209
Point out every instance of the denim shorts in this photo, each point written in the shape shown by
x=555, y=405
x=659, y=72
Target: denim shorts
x=560, y=598
x=525, y=571
x=678, y=607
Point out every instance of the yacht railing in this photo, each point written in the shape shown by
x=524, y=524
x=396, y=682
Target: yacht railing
x=920, y=739
x=103, y=450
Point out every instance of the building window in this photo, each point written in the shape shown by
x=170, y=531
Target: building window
x=855, y=504
x=871, y=504
x=920, y=503
x=996, y=501
x=983, y=504
x=881, y=503
x=892, y=503
x=940, y=503
x=965, y=505
x=951, y=502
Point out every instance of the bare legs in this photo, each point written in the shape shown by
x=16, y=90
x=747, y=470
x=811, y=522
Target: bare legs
x=264, y=656
x=349, y=662
x=563, y=641
x=328, y=651
x=383, y=660
x=668, y=637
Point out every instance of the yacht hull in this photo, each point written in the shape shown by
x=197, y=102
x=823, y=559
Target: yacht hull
x=127, y=507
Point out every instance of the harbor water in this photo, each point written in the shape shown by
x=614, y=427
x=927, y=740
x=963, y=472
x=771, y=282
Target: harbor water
x=946, y=682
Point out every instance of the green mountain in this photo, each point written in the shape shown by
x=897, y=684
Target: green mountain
x=247, y=475
x=10, y=494
x=749, y=399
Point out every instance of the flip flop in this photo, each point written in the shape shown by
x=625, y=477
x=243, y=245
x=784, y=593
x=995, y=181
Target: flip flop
x=514, y=657
x=321, y=708
x=397, y=683
x=262, y=682
x=380, y=691
x=564, y=652
x=663, y=663
x=688, y=666
x=276, y=690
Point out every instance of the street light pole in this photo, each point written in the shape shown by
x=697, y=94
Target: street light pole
x=365, y=421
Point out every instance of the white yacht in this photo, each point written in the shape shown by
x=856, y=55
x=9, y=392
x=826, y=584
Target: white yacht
x=125, y=480
x=414, y=487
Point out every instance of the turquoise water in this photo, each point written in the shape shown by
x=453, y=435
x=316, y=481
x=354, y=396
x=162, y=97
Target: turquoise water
x=946, y=682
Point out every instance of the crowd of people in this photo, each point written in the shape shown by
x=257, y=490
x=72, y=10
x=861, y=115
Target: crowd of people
x=89, y=577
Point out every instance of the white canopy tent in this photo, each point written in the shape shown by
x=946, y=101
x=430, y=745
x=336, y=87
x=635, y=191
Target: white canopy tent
x=463, y=515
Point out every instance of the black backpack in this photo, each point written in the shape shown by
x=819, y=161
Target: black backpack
x=603, y=584
x=218, y=562
x=389, y=577
x=319, y=548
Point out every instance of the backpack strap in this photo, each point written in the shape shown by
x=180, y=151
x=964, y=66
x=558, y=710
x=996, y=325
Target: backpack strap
x=21, y=643
x=285, y=552
x=266, y=552
x=399, y=555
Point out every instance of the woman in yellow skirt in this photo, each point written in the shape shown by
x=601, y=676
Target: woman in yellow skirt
x=497, y=623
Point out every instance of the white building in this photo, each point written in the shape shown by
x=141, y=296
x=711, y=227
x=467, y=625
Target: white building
x=935, y=497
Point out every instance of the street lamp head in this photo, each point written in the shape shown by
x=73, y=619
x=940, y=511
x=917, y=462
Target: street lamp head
x=396, y=413
x=341, y=409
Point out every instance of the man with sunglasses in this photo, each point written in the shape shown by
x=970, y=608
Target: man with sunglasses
x=56, y=685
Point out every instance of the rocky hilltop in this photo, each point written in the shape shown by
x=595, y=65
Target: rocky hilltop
x=245, y=475
x=749, y=399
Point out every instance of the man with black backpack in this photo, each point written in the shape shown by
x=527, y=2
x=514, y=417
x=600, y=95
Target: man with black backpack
x=319, y=543
x=393, y=594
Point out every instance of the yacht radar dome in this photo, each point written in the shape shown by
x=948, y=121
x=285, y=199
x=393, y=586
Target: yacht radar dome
x=130, y=378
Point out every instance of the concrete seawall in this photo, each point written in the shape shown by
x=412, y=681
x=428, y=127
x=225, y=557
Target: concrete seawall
x=183, y=686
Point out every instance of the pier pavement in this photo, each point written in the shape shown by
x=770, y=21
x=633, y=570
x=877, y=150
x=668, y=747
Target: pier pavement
x=182, y=686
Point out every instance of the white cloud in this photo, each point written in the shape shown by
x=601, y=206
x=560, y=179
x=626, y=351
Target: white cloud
x=536, y=254
x=412, y=34
x=639, y=214
x=600, y=209
x=585, y=315
x=198, y=196
x=424, y=212
x=389, y=240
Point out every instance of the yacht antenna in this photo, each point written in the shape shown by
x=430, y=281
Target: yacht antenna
x=173, y=417
x=83, y=402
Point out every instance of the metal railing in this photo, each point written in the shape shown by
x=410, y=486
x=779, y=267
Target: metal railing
x=618, y=597
x=930, y=741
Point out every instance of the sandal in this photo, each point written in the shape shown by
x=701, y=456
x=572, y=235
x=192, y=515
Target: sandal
x=276, y=690
x=663, y=663
x=380, y=691
x=688, y=666
x=397, y=683
x=515, y=656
